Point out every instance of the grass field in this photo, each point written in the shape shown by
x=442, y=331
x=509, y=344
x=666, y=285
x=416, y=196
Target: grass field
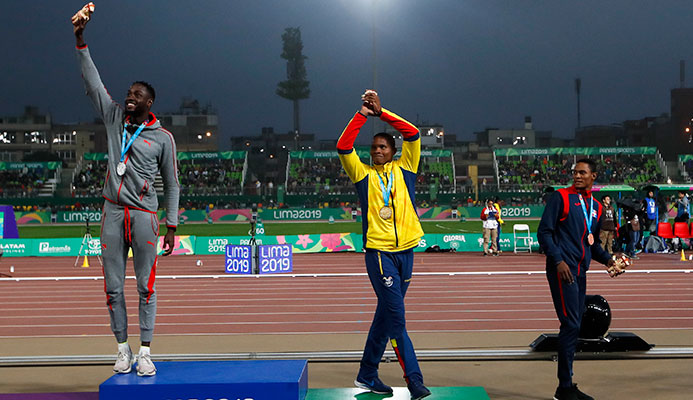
x=271, y=228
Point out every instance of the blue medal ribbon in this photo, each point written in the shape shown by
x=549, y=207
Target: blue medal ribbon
x=386, y=191
x=124, y=148
x=588, y=220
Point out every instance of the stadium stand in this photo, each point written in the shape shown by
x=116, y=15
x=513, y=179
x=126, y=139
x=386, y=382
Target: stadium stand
x=533, y=172
x=320, y=172
x=28, y=179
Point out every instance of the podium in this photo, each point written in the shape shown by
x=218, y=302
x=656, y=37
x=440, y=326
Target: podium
x=256, y=379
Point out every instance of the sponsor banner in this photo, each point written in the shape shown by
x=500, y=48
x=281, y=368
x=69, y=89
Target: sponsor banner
x=5, y=165
x=211, y=155
x=364, y=153
x=550, y=151
x=16, y=247
x=56, y=247
x=470, y=242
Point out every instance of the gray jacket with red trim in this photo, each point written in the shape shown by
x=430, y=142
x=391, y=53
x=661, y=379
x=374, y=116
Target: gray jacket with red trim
x=152, y=152
x=563, y=231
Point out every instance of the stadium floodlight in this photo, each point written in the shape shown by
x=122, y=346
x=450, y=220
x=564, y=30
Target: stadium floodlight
x=209, y=134
x=199, y=137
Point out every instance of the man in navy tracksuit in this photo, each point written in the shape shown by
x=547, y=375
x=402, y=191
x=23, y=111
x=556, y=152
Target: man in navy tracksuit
x=569, y=235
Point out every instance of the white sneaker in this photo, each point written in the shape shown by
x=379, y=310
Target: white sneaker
x=124, y=362
x=145, y=366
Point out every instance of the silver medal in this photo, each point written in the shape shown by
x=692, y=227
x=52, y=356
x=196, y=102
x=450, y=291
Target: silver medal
x=120, y=169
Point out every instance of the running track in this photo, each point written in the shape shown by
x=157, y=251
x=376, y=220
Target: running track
x=453, y=292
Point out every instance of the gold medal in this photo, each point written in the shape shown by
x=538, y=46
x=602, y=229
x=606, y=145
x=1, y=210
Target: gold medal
x=385, y=212
x=590, y=239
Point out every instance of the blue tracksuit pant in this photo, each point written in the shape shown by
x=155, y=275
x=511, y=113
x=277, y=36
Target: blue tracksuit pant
x=390, y=274
x=569, y=302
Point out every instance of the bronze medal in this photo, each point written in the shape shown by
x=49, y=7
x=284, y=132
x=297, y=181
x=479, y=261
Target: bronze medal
x=590, y=239
x=385, y=212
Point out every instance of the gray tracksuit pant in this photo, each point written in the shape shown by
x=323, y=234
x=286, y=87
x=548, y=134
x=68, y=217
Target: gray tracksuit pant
x=123, y=228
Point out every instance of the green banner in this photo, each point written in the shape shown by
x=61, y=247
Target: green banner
x=522, y=212
x=51, y=165
x=304, y=214
x=364, y=153
x=212, y=155
x=33, y=217
x=16, y=247
x=78, y=216
x=685, y=157
x=56, y=247
x=550, y=151
x=469, y=242
x=95, y=156
x=319, y=243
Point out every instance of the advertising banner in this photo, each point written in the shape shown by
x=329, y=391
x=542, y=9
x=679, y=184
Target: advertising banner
x=16, y=247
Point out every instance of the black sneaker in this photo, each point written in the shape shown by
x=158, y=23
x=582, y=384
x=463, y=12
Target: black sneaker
x=375, y=385
x=565, y=393
x=580, y=395
x=418, y=390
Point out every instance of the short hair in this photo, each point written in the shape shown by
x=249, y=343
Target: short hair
x=149, y=88
x=605, y=196
x=591, y=163
x=389, y=138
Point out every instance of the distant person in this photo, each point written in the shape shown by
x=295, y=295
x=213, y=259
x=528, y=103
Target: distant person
x=633, y=231
x=652, y=212
x=489, y=218
x=683, y=207
x=609, y=227
x=138, y=149
x=566, y=234
x=391, y=231
x=499, y=217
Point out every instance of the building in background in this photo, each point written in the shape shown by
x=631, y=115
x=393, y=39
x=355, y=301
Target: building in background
x=195, y=127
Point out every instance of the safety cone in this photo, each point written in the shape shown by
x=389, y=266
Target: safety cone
x=683, y=255
x=85, y=264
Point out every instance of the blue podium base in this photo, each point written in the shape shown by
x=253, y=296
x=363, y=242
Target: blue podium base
x=232, y=380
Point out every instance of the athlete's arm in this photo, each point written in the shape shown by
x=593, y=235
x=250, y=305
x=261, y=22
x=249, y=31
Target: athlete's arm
x=546, y=233
x=103, y=103
x=411, y=145
x=169, y=174
x=351, y=162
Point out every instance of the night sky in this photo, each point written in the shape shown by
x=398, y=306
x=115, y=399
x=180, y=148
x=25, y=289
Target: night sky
x=465, y=64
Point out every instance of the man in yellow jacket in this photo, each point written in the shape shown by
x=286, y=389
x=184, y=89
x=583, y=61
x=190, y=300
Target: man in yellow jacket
x=391, y=230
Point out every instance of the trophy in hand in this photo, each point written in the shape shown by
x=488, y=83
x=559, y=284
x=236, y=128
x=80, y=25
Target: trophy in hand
x=84, y=14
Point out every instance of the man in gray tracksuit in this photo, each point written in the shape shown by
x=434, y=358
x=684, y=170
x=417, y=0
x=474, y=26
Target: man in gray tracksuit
x=138, y=148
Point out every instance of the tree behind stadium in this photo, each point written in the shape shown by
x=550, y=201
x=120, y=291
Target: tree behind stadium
x=295, y=87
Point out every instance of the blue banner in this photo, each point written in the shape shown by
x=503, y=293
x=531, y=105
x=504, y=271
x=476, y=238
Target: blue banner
x=239, y=259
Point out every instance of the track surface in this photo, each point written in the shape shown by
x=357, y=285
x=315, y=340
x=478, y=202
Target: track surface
x=452, y=292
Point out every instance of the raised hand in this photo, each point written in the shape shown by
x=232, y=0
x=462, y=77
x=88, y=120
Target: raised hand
x=371, y=103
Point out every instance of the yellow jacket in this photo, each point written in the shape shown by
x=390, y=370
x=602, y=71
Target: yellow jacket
x=403, y=230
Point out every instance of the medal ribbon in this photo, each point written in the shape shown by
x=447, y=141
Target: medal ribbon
x=123, y=147
x=584, y=211
x=386, y=191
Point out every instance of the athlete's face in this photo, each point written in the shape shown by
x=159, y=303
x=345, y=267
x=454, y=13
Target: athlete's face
x=381, y=152
x=138, y=100
x=583, y=177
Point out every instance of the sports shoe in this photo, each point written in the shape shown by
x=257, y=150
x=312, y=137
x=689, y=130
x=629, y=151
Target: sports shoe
x=375, y=385
x=418, y=390
x=145, y=366
x=124, y=362
x=570, y=393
